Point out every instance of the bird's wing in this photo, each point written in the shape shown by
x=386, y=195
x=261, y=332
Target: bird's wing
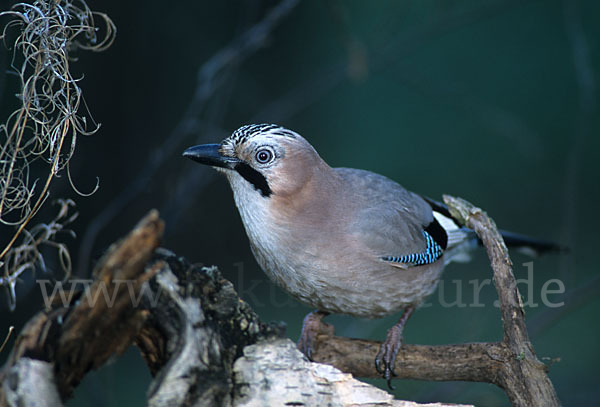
x=389, y=220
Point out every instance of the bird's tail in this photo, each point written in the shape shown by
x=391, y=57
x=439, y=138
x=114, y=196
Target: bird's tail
x=530, y=245
x=462, y=240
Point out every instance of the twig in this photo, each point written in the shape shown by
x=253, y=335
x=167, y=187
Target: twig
x=10, y=331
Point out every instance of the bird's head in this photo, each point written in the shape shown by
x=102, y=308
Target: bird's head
x=270, y=158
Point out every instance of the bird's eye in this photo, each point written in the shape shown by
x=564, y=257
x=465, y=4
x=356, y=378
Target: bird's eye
x=263, y=156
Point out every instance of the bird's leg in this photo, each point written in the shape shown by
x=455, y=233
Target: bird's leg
x=386, y=357
x=312, y=326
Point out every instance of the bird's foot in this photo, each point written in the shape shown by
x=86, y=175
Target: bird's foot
x=313, y=325
x=386, y=357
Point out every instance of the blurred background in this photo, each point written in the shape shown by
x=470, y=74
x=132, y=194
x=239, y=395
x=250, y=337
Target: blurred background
x=495, y=101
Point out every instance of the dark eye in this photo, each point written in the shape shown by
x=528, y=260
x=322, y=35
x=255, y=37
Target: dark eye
x=264, y=156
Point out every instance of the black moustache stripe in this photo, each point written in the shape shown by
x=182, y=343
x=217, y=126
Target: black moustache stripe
x=255, y=178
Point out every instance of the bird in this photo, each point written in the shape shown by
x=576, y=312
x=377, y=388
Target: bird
x=341, y=240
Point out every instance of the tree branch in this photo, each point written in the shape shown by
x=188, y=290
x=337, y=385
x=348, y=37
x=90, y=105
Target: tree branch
x=510, y=364
x=473, y=362
x=524, y=377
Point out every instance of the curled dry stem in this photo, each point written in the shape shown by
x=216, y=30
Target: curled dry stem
x=44, y=128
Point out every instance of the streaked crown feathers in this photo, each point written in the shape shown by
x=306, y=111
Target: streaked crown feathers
x=245, y=133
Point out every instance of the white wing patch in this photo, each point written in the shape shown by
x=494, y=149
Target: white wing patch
x=460, y=241
x=456, y=235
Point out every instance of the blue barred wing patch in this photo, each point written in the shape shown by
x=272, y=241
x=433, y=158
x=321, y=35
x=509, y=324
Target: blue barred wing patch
x=433, y=252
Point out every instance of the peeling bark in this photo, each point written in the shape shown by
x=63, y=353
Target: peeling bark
x=274, y=373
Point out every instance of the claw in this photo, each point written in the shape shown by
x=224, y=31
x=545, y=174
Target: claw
x=378, y=358
x=312, y=326
x=305, y=342
x=386, y=357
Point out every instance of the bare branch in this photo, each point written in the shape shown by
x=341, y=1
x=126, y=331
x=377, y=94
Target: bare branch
x=510, y=364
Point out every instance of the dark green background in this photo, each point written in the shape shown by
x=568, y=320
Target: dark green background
x=494, y=101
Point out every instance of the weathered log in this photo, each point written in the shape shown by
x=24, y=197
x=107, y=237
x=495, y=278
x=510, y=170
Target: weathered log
x=79, y=336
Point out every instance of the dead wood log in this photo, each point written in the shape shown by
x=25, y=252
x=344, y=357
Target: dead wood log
x=77, y=337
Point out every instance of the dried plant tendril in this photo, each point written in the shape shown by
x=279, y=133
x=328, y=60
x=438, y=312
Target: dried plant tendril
x=45, y=125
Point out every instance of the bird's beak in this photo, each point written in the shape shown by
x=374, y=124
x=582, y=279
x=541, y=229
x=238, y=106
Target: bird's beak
x=208, y=154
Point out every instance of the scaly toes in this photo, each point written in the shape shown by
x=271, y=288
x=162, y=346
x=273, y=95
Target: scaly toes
x=384, y=362
x=313, y=326
x=305, y=343
x=386, y=357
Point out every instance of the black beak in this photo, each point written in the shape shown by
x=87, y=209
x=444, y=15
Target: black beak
x=208, y=154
